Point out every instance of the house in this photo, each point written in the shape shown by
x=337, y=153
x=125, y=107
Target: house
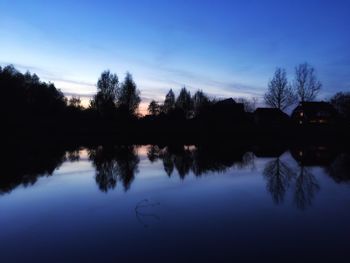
x=228, y=110
x=270, y=117
x=229, y=105
x=319, y=112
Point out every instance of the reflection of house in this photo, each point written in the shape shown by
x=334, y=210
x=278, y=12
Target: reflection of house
x=314, y=113
x=270, y=117
x=314, y=155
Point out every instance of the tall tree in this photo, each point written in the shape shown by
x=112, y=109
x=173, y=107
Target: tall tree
x=107, y=93
x=129, y=96
x=306, y=84
x=279, y=95
x=169, y=102
x=184, y=102
x=200, y=101
x=154, y=108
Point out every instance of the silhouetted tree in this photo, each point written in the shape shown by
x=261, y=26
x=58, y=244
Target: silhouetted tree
x=154, y=108
x=306, y=84
x=169, y=102
x=129, y=96
x=279, y=94
x=341, y=102
x=27, y=97
x=107, y=94
x=200, y=102
x=74, y=102
x=184, y=102
x=249, y=104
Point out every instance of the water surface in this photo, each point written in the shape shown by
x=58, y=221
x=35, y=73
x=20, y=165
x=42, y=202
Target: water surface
x=173, y=204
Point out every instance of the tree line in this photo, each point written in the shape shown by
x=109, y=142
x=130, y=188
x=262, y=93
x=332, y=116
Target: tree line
x=28, y=100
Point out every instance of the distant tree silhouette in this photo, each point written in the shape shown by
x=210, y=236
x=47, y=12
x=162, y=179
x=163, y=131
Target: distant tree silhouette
x=184, y=102
x=75, y=102
x=249, y=104
x=279, y=94
x=169, y=102
x=200, y=102
x=154, y=108
x=129, y=96
x=341, y=102
x=28, y=97
x=105, y=100
x=305, y=83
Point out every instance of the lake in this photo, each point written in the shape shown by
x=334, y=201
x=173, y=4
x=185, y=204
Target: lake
x=148, y=203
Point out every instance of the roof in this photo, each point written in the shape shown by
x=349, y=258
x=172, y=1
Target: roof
x=226, y=102
x=313, y=107
x=229, y=105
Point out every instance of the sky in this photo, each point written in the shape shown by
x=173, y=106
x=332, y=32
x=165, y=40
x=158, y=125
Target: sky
x=225, y=48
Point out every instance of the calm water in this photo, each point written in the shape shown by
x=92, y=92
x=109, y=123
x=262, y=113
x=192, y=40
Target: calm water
x=147, y=204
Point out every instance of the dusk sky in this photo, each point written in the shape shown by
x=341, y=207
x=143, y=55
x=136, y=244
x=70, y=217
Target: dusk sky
x=225, y=48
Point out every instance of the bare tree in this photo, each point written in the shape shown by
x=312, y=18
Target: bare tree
x=249, y=104
x=279, y=95
x=306, y=84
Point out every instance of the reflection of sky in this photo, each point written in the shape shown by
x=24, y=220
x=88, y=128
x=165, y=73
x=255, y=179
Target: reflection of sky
x=61, y=214
x=229, y=48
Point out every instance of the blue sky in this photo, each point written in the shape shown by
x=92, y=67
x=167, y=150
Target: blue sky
x=226, y=48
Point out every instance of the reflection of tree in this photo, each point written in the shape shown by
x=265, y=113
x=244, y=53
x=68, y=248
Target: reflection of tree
x=200, y=159
x=306, y=187
x=26, y=164
x=183, y=162
x=73, y=156
x=279, y=176
x=113, y=164
x=339, y=170
x=153, y=153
